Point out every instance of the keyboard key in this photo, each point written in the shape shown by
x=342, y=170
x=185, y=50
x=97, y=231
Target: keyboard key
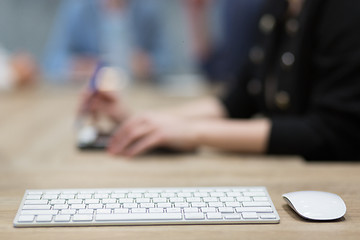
x=142, y=200
x=67, y=196
x=249, y=215
x=193, y=199
x=233, y=216
x=101, y=195
x=33, y=197
x=243, y=199
x=254, y=209
x=232, y=204
x=268, y=216
x=159, y=200
x=92, y=201
x=103, y=191
x=130, y=205
x=260, y=199
x=77, y=206
x=194, y=216
x=109, y=200
x=35, y=193
x=57, y=201
x=226, y=209
x=167, y=195
x=155, y=191
x=68, y=192
x=201, y=194
x=118, y=195
x=112, y=205
x=103, y=211
x=50, y=197
x=256, y=204
x=86, y=192
x=254, y=194
x=217, y=194
x=75, y=201
x=39, y=212
x=216, y=204
x=198, y=204
x=134, y=195
x=84, y=196
x=233, y=194
x=214, y=215
x=126, y=200
x=164, y=205
x=151, y=195
x=36, y=207
x=208, y=209
x=36, y=202
x=120, y=191
x=226, y=199
x=62, y=218
x=60, y=206
x=86, y=211
x=191, y=210
x=173, y=210
x=82, y=218
x=181, y=204
x=156, y=210
x=95, y=206
x=139, y=216
x=44, y=218
x=210, y=199
x=121, y=210
x=26, y=218
x=147, y=205
x=138, y=210
x=177, y=200
x=68, y=211
x=184, y=194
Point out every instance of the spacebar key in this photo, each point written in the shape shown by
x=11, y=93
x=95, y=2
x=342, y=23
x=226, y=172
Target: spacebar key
x=138, y=216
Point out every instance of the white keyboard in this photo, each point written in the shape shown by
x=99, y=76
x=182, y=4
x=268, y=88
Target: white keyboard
x=133, y=206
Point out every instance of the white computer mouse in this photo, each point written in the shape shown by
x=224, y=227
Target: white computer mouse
x=315, y=205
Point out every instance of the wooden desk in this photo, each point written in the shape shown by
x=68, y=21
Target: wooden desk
x=37, y=151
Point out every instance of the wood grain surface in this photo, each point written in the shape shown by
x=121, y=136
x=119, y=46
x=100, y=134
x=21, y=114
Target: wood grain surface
x=37, y=150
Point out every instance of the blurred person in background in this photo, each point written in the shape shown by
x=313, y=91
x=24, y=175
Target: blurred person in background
x=302, y=76
x=146, y=39
x=16, y=70
x=223, y=32
x=81, y=32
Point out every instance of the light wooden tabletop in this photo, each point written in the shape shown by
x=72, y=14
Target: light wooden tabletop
x=37, y=150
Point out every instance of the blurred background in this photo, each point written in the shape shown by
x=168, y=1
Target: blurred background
x=180, y=46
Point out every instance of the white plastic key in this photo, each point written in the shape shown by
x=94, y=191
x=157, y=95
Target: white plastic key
x=139, y=216
x=44, y=218
x=26, y=218
x=81, y=218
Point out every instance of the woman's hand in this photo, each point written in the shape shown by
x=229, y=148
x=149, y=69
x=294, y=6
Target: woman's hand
x=105, y=103
x=141, y=133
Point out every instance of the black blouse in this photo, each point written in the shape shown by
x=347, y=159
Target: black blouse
x=304, y=75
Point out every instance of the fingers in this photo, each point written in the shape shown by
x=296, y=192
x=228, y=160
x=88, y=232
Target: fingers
x=125, y=130
x=143, y=145
x=137, y=135
x=122, y=142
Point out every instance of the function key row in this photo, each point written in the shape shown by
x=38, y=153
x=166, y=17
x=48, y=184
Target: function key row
x=143, y=195
x=34, y=192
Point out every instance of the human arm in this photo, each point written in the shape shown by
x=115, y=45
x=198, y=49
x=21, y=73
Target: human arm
x=142, y=133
